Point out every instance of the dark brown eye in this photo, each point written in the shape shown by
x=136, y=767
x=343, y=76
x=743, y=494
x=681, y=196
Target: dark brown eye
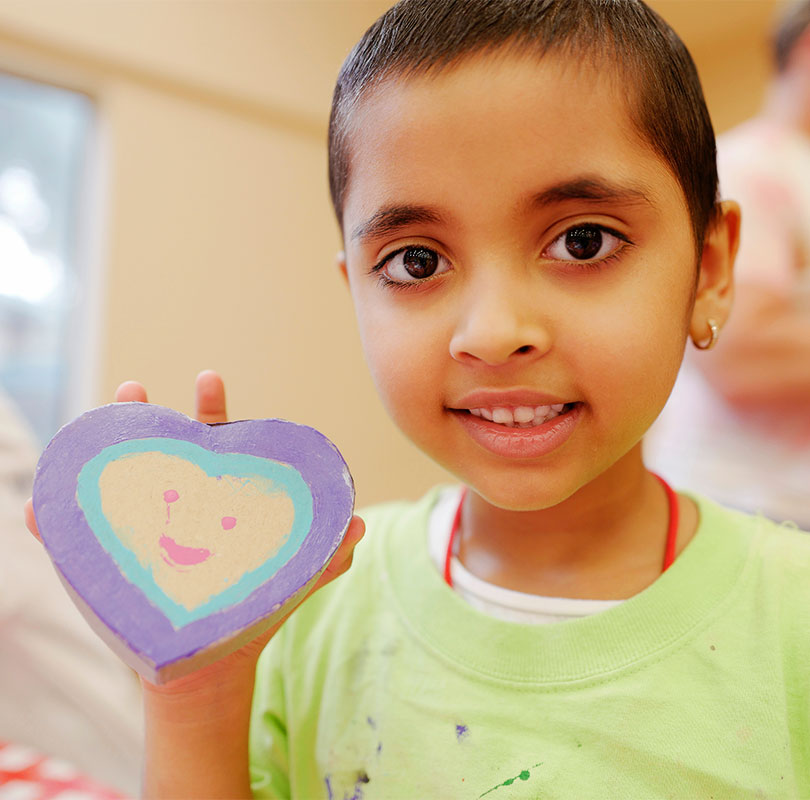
x=419, y=262
x=583, y=243
x=587, y=243
x=412, y=266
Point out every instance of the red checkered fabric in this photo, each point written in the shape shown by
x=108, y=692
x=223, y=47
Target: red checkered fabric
x=26, y=774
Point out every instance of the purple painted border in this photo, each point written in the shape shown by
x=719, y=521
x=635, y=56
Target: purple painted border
x=92, y=573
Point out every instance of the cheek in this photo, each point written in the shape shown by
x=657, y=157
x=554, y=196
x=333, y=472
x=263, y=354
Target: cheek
x=405, y=353
x=401, y=366
x=378, y=338
x=635, y=366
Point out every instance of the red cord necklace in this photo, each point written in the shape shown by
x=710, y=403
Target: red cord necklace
x=669, y=549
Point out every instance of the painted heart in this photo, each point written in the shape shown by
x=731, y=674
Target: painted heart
x=180, y=541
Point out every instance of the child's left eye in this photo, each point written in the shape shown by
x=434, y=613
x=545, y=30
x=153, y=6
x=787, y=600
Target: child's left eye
x=586, y=243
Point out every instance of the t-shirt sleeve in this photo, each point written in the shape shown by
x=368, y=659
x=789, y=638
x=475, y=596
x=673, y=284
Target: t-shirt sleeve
x=269, y=764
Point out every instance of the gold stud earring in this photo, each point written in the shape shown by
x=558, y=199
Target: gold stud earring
x=714, y=330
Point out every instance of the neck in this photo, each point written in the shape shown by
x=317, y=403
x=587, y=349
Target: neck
x=606, y=541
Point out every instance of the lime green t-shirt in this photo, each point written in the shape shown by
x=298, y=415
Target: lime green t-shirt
x=387, y=685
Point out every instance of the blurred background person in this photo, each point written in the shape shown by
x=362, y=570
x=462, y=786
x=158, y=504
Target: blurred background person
x=738, y=422
x=62, y=691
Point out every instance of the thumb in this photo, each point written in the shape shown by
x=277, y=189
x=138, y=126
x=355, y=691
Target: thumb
x=342, y=559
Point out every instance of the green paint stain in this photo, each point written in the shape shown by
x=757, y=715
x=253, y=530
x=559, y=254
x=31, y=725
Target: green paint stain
x=524, y=775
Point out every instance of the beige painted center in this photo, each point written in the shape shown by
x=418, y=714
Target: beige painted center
x=214, y=530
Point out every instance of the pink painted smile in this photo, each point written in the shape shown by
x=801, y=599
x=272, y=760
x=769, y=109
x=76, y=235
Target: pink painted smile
x=178, y=555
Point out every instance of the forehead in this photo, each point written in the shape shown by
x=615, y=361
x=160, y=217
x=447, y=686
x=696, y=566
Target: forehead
x=495, y=130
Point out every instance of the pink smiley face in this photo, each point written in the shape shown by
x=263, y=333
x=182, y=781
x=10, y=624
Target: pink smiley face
x=178, y=555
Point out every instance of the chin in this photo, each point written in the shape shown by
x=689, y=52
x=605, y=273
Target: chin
x=521, y=493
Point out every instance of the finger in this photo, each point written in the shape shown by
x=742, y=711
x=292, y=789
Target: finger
x=130, y=392
x=30, y=519
x=210, y=397
x=342, y=559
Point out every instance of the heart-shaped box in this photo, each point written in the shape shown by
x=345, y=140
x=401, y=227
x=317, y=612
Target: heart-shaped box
x=181, y=541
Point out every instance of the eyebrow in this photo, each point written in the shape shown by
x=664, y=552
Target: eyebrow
x=594, y=189
x=393, y=218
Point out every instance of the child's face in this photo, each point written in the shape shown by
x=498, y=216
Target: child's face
x=511, y=243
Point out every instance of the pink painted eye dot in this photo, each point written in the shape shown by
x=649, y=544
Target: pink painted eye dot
x=228, y=523
x=170, y=495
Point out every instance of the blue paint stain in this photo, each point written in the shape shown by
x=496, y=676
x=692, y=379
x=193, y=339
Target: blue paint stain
x=371, y=723
x=357, y=789
x=379, y=748
x=362, y=778
x=462, y=732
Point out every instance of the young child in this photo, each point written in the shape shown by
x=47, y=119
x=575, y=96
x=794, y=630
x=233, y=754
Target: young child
x=527, y=194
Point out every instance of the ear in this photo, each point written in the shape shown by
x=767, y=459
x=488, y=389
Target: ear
x=715, y=290
x=340, y=261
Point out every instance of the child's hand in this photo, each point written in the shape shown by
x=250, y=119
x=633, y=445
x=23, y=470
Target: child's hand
x=202, y=718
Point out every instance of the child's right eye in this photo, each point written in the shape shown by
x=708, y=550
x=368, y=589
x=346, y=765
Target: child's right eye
x=411, y=265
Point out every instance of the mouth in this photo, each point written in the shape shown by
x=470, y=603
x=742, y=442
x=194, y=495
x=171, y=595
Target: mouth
x=178, y=555
x=520, y=416
x=521, y=432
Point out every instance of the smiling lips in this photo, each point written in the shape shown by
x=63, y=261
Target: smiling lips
x=510, y=431
x=179, y=555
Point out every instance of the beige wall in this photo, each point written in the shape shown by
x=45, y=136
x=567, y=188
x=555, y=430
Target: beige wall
x=729, y=41
x=218, y=239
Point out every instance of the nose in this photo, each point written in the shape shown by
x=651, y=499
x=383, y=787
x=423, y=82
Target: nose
x=499, y=323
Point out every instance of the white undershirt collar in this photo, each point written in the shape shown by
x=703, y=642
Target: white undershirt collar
x=504, y=604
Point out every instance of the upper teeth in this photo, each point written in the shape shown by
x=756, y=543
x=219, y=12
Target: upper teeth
x=519, y=417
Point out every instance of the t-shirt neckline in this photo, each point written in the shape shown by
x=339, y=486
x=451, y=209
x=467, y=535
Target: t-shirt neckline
x=700, y=580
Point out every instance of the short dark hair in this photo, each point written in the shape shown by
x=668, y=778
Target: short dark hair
x=792, y=24
x=663, y=89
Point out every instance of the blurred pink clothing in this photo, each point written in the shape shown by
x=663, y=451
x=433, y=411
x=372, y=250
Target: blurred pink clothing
x=758, y=461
